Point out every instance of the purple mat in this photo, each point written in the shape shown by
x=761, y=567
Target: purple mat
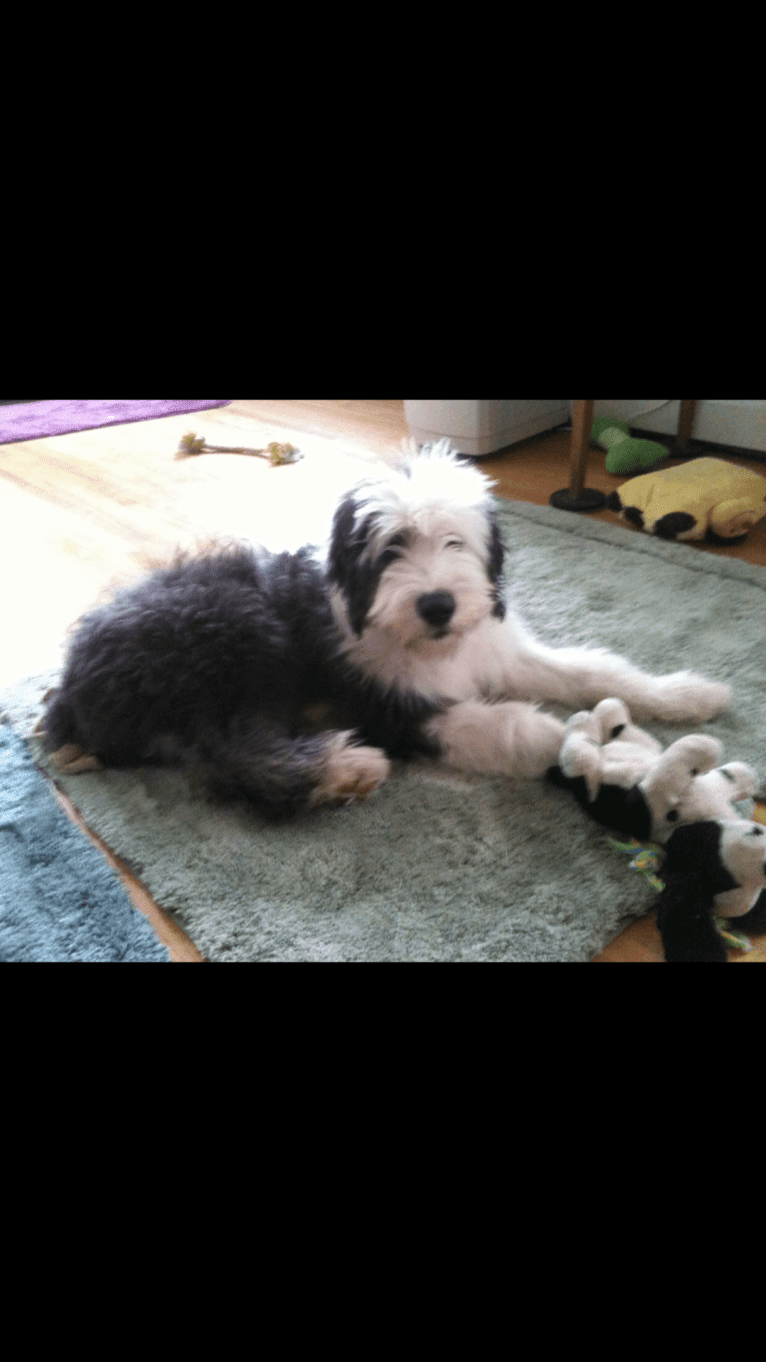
x=34, y=420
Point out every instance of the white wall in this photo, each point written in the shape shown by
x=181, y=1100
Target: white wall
x=725, y=421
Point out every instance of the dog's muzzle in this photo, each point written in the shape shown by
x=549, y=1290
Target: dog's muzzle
x=436, y=608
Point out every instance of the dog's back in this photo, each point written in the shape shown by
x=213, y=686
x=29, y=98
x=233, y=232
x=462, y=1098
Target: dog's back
x=184, y=650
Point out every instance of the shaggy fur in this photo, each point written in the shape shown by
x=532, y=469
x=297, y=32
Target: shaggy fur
x=291, y=680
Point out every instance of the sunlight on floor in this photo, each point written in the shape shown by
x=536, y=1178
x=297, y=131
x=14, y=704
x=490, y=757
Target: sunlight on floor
x=281, y=507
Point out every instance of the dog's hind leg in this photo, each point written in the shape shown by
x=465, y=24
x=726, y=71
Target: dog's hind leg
x=69, y=756
x=350, y=771
x=581, y=677
x=260, y=761
x=71, y=760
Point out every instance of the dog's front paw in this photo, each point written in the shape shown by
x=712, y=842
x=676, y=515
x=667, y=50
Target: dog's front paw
x=583, y=759
x=684, y=697
x=351, y=772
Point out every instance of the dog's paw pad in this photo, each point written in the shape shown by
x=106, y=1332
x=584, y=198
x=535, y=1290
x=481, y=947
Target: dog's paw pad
x=351, y=773
x=85, y=763
x=71, y=760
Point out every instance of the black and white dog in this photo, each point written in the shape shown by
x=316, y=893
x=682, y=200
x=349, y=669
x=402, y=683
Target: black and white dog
x=291, y=679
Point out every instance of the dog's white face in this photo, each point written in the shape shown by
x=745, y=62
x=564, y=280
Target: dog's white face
x=415, y=559
x=435, y=586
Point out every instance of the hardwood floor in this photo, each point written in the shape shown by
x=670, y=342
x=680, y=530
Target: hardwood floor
x=84, y=512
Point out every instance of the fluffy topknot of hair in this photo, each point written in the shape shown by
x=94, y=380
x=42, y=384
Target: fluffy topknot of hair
x=439, y=469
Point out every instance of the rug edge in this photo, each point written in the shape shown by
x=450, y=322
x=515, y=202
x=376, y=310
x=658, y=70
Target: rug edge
x=616, y=535
x=34, y=408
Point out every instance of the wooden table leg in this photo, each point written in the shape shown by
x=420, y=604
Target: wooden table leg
x=577, y=497
x=582, y=424
x=685, y=423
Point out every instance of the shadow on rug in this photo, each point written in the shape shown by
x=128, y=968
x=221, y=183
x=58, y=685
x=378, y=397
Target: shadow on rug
x=59, y=900
x=439, y=866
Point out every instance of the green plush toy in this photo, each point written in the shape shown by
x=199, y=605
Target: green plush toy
x=625, y=454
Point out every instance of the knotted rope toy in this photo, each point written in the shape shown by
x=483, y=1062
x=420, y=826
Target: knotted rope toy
x=276, y=453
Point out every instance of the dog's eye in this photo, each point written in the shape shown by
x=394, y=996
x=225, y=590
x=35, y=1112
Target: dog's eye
x=398, y=541
x=455, y=544
x=394, y=549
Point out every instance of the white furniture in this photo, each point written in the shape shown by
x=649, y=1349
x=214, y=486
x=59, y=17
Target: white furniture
x=481, y=427
x=477, y=427
x=722, y=421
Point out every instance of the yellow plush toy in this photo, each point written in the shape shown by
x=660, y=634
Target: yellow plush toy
x=706, y=498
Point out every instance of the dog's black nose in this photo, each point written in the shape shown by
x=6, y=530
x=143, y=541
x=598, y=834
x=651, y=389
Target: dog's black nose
x=436, y=607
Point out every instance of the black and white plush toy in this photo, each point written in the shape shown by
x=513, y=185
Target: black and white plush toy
x=712, y=868
x=624, y=779
x=715, y=858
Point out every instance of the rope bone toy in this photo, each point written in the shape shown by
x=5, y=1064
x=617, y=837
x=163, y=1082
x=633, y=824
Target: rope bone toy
x=276, y=453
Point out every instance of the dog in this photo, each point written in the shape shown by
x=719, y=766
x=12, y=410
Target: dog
x=292, y=680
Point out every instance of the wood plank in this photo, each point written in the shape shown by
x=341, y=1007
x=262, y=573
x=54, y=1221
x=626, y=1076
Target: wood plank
x=181, y=949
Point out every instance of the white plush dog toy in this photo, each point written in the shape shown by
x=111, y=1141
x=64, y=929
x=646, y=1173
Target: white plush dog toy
x=715, y=858
x=625, y=780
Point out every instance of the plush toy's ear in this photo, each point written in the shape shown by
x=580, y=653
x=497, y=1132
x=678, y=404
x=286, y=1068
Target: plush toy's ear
x=693, y=873
x=695, y=848
x=685, y=922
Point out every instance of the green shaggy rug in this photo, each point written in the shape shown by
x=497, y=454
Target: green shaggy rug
x=439, y=866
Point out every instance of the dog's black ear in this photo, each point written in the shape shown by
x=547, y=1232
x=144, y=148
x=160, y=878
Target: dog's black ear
x=495, y=557
x=339, y=560
x=345, y=568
